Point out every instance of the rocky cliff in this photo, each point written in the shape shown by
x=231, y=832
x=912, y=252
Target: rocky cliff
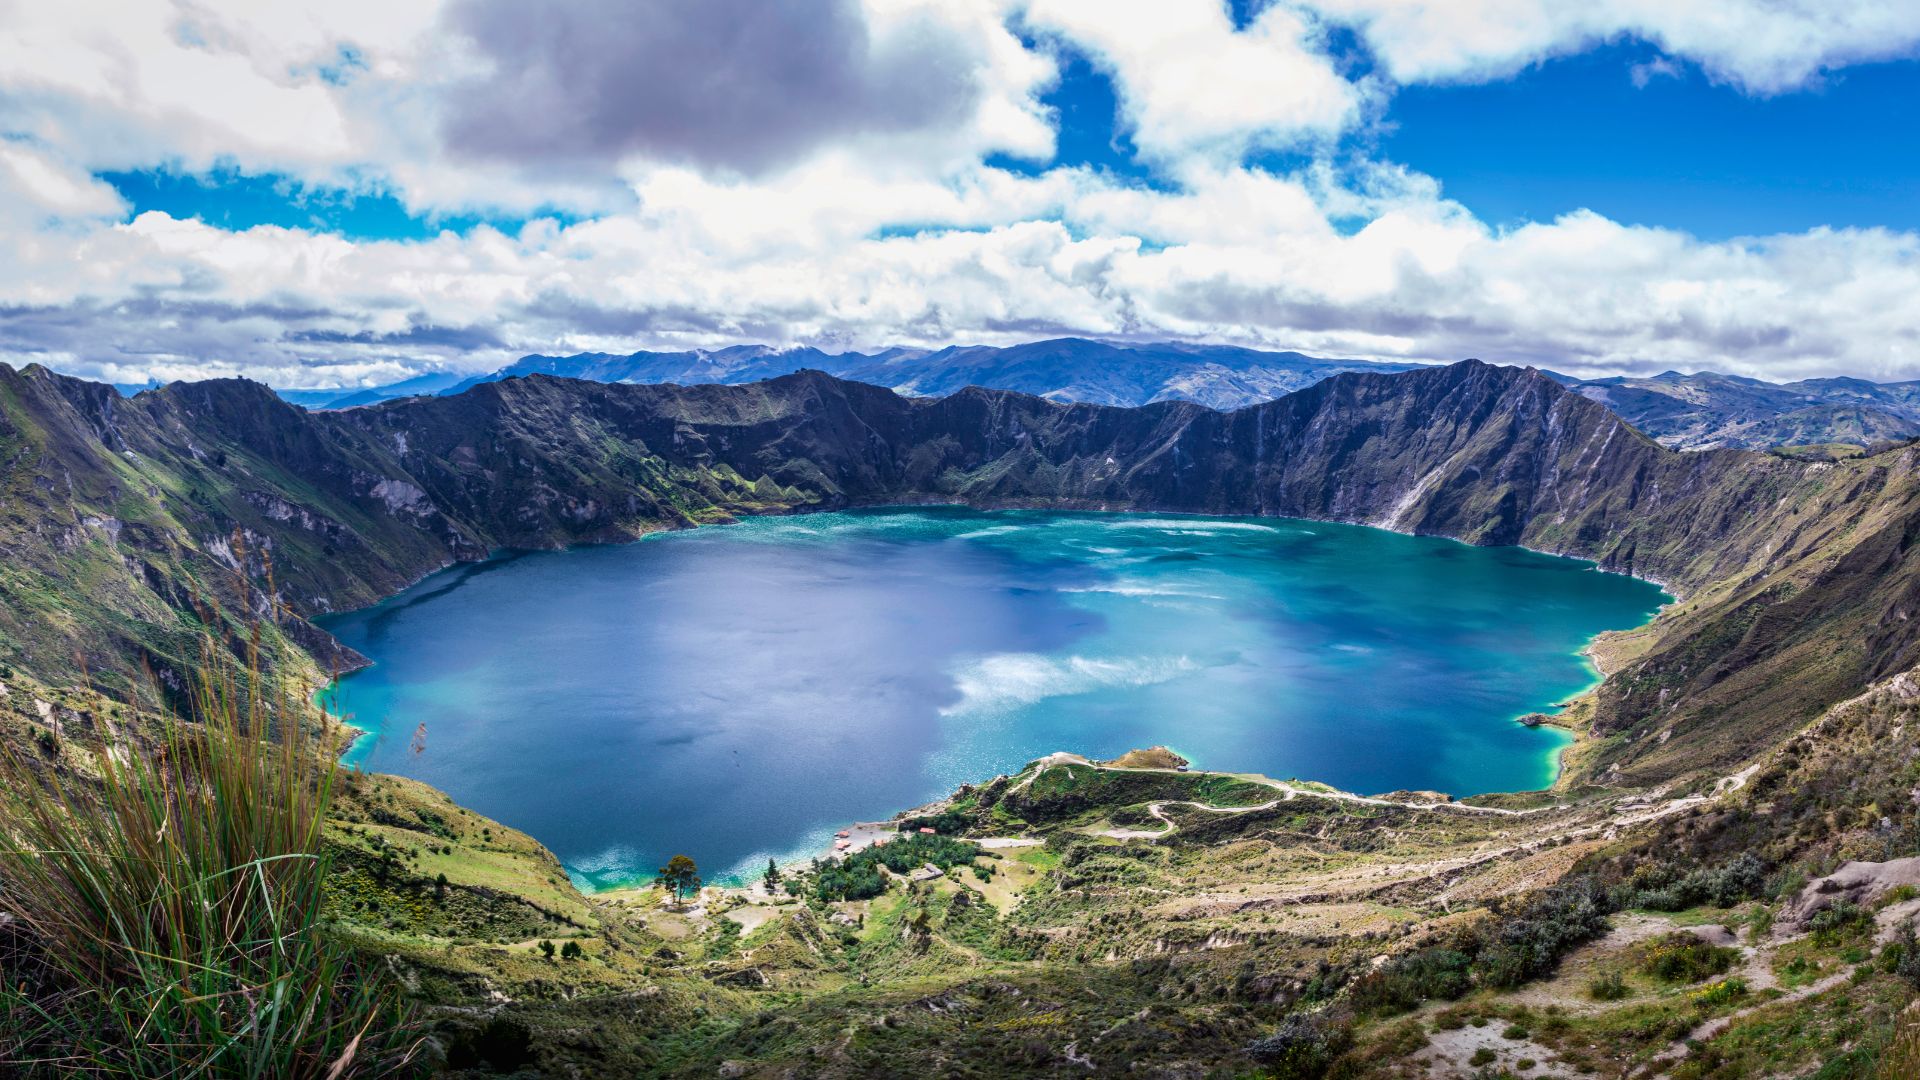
x=121, y=517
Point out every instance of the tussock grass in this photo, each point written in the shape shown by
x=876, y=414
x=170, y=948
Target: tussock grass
x=169, y=905
x=1901, y=1059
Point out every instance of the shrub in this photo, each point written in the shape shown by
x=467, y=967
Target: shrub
x=178, y=898
x=1607, y=986
x=948, y=822
x=1741, y=878
x=1404, y=982
x=1530, y=937
x=858, y=877
x=1724, y=992
x=1838, y=923
x=1901, y=956
x=1681, y=957
x=1301, y=1048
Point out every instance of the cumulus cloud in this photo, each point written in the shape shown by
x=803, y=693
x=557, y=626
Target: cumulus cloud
x=1423, y=279
x=1189, y=80
x=36, y=186
x=832, y=180
x=742, y=84
x=1764, y=46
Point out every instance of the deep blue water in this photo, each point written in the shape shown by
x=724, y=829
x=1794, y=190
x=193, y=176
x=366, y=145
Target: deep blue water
x=739, y=692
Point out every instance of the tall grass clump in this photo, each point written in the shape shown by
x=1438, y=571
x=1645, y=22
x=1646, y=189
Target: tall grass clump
x=171, y=890
x=1901, y=1059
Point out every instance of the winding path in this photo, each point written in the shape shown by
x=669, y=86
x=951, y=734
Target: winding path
x=1288, y=792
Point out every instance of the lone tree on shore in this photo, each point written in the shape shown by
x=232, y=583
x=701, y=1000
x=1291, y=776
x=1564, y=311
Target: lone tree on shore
x=772, y=876
x=680, y=877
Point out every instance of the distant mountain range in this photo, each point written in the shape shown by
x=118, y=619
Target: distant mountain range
x=1699, y=411
x=141, y=498
x=432, y=383
x=1706, y=409
x=1062, y=369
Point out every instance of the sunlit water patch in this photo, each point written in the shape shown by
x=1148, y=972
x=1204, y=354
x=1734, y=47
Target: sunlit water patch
x=737, y=693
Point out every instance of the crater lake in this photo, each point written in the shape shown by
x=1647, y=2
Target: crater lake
x=738, y=692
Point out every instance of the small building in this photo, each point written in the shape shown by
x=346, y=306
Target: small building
x=926, y=873
x=925, y=831
x=844, y=833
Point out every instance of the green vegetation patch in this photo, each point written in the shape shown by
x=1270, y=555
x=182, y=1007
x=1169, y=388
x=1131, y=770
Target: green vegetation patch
x=858, y=875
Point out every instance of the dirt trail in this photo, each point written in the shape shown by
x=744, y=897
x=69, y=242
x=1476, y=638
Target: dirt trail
x=1287, y=790
x=1158, y=810
x=1723, y=787
x=1887, y=922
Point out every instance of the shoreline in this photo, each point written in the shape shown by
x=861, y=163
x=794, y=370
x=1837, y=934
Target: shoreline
x=365, y=735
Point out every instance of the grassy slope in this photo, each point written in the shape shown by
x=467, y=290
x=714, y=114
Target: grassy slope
x=1795, y=583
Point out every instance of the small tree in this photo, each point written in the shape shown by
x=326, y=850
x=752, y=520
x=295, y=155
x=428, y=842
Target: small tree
x=772, y=876
x=680, y=877
x=546, y=949
x=571, y=951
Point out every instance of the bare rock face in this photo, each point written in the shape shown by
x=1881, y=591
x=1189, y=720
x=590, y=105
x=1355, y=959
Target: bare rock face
x=1855, y=882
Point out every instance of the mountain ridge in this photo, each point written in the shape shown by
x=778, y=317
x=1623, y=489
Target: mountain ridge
x=1749, y=735
x=352, y=505
x=1064, y=369
x=1698, y=410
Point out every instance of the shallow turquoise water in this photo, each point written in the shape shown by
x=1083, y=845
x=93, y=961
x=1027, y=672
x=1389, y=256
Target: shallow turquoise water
x=739, y=692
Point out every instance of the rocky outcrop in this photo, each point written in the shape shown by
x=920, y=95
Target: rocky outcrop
x=1859, y=883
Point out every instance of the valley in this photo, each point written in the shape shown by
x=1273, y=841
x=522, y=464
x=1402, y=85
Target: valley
x=1176, y=922
x=877, y=539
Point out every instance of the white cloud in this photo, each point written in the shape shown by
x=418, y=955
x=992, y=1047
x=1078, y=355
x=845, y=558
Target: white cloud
x=866, y=234
x=1189, y=81
x=37, y=187
x=1423, y=279
x=1764, y=46
x=1660, y=67
x=397, y=94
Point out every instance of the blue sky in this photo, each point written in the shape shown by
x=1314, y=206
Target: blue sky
x=1598, y=188
x=1679, y=150
x=1619, y=129
x=234, y=200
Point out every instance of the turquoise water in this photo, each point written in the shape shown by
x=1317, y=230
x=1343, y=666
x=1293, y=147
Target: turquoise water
x=739, y=692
